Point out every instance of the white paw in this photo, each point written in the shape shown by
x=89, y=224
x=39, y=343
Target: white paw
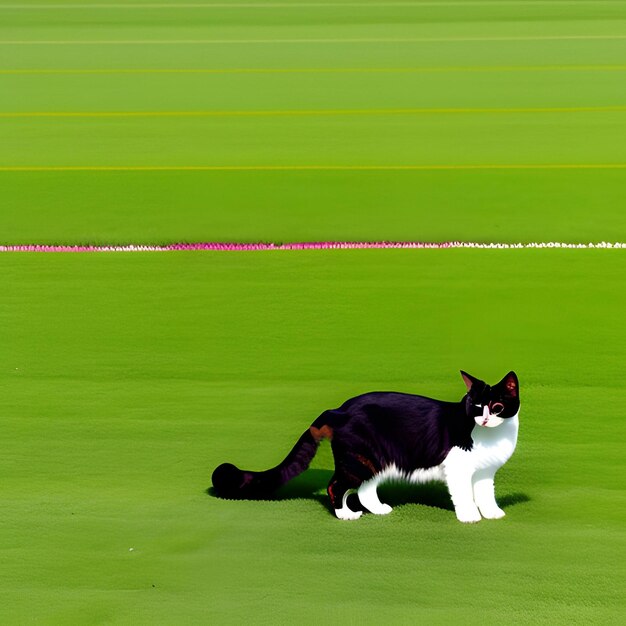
x=468, y=515
x=378, y=509
x=492, y=513
x=347, y=514
x=375, y=506
x=383, y=509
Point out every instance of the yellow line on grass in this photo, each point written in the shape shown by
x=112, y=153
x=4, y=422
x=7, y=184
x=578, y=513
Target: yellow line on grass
x=295, y=168
x=392, y=40
x=301, y=5
x=314, y=112
x=324, y=70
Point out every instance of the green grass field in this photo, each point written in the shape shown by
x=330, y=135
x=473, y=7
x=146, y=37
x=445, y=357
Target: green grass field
x=126, y=378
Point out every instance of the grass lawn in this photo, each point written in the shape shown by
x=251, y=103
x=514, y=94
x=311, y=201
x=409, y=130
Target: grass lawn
x=126, y=378
x=493, y=84
x=169, y=207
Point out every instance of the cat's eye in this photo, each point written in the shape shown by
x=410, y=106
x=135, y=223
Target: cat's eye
x=495, y=408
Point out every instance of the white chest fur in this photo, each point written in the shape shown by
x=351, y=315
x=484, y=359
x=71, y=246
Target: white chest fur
x=493, y=447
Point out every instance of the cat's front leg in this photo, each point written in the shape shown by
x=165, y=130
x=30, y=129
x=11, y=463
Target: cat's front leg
x=484, y=494
x=458, y=473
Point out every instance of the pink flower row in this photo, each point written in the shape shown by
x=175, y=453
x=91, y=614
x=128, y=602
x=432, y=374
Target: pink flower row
x=322, y=245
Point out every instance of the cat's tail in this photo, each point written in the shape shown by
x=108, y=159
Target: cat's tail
x=231, y=482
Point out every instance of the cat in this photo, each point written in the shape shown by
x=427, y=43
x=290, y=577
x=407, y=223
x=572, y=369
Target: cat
x=381, y=436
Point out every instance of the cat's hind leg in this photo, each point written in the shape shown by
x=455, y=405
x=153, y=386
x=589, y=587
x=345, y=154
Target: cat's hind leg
x=339, y=488
x=353, y=471
x=368, y=495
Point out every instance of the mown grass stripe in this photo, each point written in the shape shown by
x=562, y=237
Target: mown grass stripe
x=323, y=70
x=364, y=40
x=304, y=168
x=318, y=112
x=301, y=5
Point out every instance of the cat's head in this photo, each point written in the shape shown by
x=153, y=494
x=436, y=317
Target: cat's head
x=491, y=405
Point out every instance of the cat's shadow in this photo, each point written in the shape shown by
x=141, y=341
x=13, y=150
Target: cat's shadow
x=312, y=483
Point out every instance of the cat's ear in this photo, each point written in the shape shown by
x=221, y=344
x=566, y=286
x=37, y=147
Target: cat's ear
x=510, y=384
x=469, y=380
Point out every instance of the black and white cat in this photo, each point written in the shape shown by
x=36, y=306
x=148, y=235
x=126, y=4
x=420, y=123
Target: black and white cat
x=383, y=436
